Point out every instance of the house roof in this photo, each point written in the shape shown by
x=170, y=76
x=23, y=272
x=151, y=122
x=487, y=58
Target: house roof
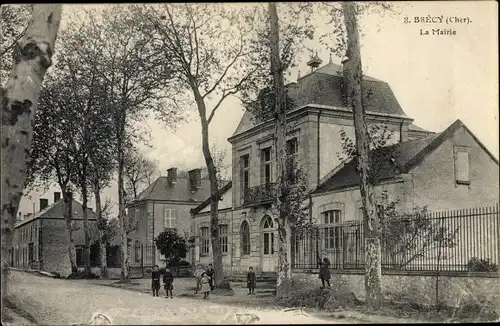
x=324, y=87
x=413, y=127
x=391, y=160
x=161, y=190
x=54, y=210
x=223, y=191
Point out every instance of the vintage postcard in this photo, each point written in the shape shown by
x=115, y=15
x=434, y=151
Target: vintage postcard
x=250, y=163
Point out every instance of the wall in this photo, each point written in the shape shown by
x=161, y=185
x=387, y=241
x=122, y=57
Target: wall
x=234, y=261
x=55, y=244
x=22, y=237
x=251, y=145
x=183, y=220
x=203, y=220
x=330, y=141
x=349, y=200
x=434, y=179
x=418, y=289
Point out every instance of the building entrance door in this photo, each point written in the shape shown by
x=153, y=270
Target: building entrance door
x=269, y=258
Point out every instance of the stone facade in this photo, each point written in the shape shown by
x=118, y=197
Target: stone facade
x=42, y=242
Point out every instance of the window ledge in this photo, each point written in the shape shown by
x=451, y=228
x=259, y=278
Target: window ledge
x=459, y=182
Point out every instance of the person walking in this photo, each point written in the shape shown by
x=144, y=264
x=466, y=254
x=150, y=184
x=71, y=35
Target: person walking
x=205, y=285
x=197, y=274
x=211, y=273
x=168, y=282
x=155, y=281
x=251, y=280
x=324, y=272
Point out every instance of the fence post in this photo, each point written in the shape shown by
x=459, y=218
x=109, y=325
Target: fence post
x=498, y=234
x=142, y=259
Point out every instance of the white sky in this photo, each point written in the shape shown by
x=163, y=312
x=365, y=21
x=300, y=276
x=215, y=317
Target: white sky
x=436, y=79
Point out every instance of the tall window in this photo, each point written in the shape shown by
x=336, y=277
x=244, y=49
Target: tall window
x=245, y=238
x=204, y=241
x=291, y=158
x=332, y=229
x=169, y=218
x=223, y=231
x=245, y=172
x=461, y=155
x=266, y=166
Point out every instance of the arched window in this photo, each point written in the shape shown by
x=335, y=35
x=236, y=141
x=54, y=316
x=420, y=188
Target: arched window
x=268, y=234
x=245, y=238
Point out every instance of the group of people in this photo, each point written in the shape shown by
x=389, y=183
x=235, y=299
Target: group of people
x=205, y=279
x=168, y=281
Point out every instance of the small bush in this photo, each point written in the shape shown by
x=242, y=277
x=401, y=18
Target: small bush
x=481, y=265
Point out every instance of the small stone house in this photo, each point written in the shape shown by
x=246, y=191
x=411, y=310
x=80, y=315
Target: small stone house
x=40, y=240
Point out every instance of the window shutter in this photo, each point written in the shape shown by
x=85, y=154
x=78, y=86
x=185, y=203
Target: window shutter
x=462, y=166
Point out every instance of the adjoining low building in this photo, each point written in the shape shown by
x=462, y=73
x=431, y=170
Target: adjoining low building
x=40, y=239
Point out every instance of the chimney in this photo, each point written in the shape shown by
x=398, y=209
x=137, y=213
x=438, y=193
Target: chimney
x=195, y=179
x=20, y=216
x=43, y=203
x=57, y=196
x=172, y=176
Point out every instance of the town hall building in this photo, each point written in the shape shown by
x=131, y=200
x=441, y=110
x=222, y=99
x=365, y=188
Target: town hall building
x=446, y=170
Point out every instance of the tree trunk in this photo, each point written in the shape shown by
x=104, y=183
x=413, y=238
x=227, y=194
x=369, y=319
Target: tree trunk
x=86, y=231
x=33, y=55
x=284, y=281
x=124, y=274
x=214, y=194
x=352, y=80
x=68, y=217
x=102, y=244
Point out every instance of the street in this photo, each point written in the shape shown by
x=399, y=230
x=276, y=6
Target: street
x=56, y=301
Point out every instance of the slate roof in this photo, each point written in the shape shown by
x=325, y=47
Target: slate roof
x=180, y=191
x=324, y=87
x=56, y=211
x=225, y=189
x=391, y=160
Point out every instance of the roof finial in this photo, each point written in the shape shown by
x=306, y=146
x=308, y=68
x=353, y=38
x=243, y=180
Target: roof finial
x=330, y=59
x=314, y=62
x=298, y=76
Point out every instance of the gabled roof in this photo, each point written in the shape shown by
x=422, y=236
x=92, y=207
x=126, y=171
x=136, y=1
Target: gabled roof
x=180, y=191
x=324, y=87
x=391, y=160
x=55, y=210
x=413, y=127
x=224, y=190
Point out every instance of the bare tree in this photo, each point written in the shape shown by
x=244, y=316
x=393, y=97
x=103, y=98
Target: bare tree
x=132, y=74
x=33, y=56
x=352, y=80
x=139, y=171
x=206, y=48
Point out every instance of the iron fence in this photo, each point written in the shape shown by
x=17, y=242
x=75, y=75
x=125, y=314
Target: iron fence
x=459, y=241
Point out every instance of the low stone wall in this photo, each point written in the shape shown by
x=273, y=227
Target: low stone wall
x=453, y=290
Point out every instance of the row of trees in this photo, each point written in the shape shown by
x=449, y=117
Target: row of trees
x=115, y=65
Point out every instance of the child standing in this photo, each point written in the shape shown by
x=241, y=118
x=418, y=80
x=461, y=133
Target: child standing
x=324, y=272
x=205, y=285
x=251, y=280
x=168, y=282
x=210, y=273
x=197, y=273
x=155, y=281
